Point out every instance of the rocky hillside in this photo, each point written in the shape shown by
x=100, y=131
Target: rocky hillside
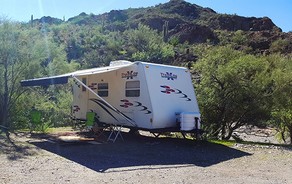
x=192, y=23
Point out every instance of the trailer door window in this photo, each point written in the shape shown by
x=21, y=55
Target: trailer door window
x=132, y=88
x=84, y=82
x=102, y=89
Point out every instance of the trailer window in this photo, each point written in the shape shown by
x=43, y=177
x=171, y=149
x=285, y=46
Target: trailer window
x=132, y=88
x=102, y=89
x=84, y=82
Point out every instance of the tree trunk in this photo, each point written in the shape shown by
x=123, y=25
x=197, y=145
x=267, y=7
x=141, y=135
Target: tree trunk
x=5, y=97
x=223, y=131
x=228, y=136
x=290, y=133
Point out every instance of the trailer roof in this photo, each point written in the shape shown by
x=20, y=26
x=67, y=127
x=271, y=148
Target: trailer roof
x=63, y=79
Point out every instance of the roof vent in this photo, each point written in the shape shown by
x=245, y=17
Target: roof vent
x=120, y=63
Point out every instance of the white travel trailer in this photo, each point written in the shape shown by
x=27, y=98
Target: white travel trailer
x=137, y=95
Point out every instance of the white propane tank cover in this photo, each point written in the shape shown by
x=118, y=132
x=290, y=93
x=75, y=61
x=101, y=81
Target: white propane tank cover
x=188, y=122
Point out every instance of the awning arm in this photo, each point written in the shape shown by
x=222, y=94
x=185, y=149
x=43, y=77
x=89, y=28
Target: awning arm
x=102, y=99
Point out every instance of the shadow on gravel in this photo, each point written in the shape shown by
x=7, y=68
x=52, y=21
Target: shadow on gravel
x=138, y=151
x=14, y=150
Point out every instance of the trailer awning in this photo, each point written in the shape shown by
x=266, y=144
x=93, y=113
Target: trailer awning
x=46, y=81
x=63, y=79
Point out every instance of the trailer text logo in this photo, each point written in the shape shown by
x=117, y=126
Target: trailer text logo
x=129, y=75
x=168, y=75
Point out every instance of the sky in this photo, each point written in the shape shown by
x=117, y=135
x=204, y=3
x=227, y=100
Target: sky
x=280, y=11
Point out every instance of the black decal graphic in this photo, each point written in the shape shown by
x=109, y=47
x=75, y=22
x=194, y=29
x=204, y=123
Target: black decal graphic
x=184, y=95
x=76, y=83
x=178, y=91
x=76, y=108
x=127, y=104
x=104, y=106
x=148, y=112
x=139, y=104
x=101, y=104
x=169, y=90
x=144, y=108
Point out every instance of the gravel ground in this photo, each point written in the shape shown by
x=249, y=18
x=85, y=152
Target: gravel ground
x=141, y=159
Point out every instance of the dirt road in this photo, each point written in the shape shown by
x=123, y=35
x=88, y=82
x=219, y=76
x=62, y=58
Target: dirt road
x=141, y=159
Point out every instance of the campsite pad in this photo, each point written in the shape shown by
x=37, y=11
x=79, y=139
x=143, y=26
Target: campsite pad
x=139, y=151
x=139, y=159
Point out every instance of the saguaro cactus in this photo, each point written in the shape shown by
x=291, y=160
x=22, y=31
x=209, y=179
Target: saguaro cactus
x=165, y=31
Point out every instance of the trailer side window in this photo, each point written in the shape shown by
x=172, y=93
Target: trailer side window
x=102, y=89
x=84, y=82
x=132, y=88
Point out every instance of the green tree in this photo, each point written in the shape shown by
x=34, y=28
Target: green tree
x=25, y=53
x=232, y=91
x=13, y=63
x=50, y=60
x=147, y=45
x=281, y=75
